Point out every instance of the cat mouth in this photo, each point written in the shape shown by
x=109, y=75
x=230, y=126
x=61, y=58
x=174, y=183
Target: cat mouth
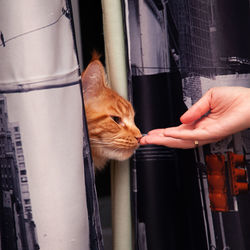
x=115, y=149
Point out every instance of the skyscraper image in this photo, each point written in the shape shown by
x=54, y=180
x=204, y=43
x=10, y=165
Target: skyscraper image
x=207, y=44
x=18, y=231
x=214, y=51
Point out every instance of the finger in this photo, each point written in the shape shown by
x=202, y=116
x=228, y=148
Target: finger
x=199, y=109
x=147, y=139
x=173, y=142
x=189, y=133
x=156, y=131
x=180, y=131
x=167, y=141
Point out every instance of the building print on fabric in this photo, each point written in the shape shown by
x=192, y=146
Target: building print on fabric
x=18, y=230
x=206, y=59
x=207, y=46
x=4, y=40
x=214, y=51
x=39, y=88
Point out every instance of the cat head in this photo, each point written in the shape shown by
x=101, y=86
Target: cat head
x=110, y=118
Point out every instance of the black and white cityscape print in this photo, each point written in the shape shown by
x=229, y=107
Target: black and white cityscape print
x=18, y=229
x=206, y=43
x=42, y=185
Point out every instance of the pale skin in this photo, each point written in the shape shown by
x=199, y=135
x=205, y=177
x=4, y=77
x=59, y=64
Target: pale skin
x=221, y=112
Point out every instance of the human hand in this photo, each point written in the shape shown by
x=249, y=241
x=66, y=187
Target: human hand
x=222, y=111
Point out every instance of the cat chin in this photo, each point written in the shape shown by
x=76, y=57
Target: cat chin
x=104, y=156
x=119, y=155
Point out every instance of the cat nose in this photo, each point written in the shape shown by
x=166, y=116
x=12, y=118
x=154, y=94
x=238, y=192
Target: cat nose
x=138, y=138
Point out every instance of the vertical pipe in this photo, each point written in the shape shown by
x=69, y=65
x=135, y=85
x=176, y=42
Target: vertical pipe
x=114, y=45
x=116, y=69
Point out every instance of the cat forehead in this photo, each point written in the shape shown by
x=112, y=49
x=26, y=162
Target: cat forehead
x=120, y=111
x=118, y=104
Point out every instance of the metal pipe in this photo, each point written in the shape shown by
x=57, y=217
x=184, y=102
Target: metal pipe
x=117, y=75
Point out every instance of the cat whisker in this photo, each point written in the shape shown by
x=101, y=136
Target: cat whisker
x=106, y=141
x=101, y=143
x=112, y=142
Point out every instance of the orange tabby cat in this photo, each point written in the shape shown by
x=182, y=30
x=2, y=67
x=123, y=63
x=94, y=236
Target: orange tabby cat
x=110, y=118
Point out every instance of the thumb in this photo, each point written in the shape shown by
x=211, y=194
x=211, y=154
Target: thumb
x=199, y=109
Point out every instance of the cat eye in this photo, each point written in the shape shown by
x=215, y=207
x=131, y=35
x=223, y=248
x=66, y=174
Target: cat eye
x=117, y=119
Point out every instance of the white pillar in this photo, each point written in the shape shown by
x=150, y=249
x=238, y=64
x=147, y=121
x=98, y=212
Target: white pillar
x=117, y=75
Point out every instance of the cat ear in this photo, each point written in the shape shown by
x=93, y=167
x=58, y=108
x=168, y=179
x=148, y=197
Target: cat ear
x=93, y=79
